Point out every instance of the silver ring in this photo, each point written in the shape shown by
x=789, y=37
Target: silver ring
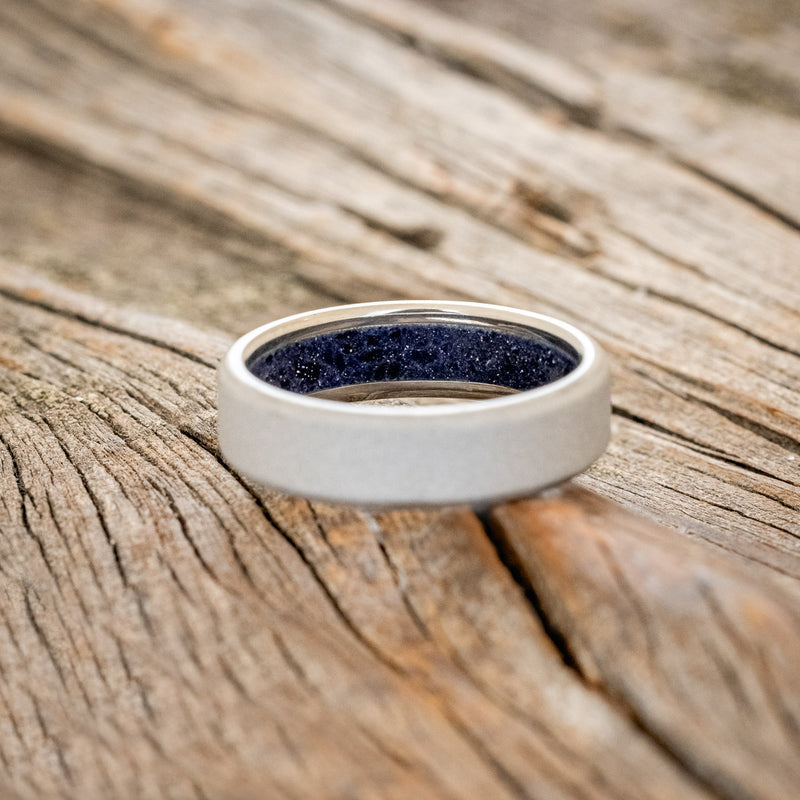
x=414, y=403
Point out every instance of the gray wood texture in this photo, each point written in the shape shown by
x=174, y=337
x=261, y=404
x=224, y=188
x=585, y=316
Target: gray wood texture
x=176, y=172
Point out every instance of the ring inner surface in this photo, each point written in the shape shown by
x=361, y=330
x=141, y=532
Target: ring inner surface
x=420, y=357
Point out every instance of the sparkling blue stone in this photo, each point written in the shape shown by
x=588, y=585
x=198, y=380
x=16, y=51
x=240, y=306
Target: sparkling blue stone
x=517, y=358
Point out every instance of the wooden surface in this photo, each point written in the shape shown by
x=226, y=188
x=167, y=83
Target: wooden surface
x=175, y=172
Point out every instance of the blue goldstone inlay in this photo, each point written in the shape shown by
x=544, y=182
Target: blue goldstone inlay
x=519, y=358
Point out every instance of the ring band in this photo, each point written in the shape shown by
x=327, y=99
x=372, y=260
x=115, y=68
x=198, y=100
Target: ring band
x=414, y=403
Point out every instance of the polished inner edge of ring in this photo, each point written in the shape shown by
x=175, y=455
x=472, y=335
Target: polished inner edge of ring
x=415, y=358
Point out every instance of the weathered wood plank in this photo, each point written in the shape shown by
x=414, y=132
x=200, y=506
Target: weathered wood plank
x=418, y=180
x=702, y=653
x=746, y=51
x=88, y=231
x=169, y=631
x=724, y=101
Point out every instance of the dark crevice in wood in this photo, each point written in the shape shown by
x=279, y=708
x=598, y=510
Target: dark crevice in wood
x=495, y=75
x=705, y=312
x=748, y=197
x=70, y=654
x=662, y=254
x=201, y=795
x=42, y=637
x=539, y=201
x=751, y=490
x=730, y=678
x=175, y=578
x=23, y=492
x=517, y=571
x=291, y=662
x=95, y=500
x=57, y=746
x=771, y=435
x=691, y=444
x=390, y=754
x=184, y=528
x=690, y=267
x=675, y=300
x=323, y=532
x=422, y=237
x=12, y=718
x=233, y=680
x=55, y=356
x=326, y=590
x=419, y=237
x=408, y=605
x=485, y=756
x=730, y=510
x=526, y=581
x=629, y=592
x=290, y=746
x=126, y=667
x=23, y=497
x=759, y=429
x=654, y=426
x=96, y=323
x=65, y=541
x=714, y=782
x=397, y=578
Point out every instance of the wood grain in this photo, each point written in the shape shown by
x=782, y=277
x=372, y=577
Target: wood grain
x=172, y=631
x=702, y=653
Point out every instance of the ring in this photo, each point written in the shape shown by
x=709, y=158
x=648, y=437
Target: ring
x=414, y=403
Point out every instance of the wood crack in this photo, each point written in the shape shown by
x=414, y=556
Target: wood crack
x=630, y=594
x=23, y=499
x=729, y=509
x=481, y=751
x=323, y=533
x=42, y=637
x=676, y=300
x=421, y=237
x=526, y=580
x=331, y=597
x=517, y=572
x=759, y=429
x=742, y=194
x=95, y=500
x=491, y=73
x=57, y=745
x=706, y=450
x=184, y=528
x=96, y=323
x=294, y=665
